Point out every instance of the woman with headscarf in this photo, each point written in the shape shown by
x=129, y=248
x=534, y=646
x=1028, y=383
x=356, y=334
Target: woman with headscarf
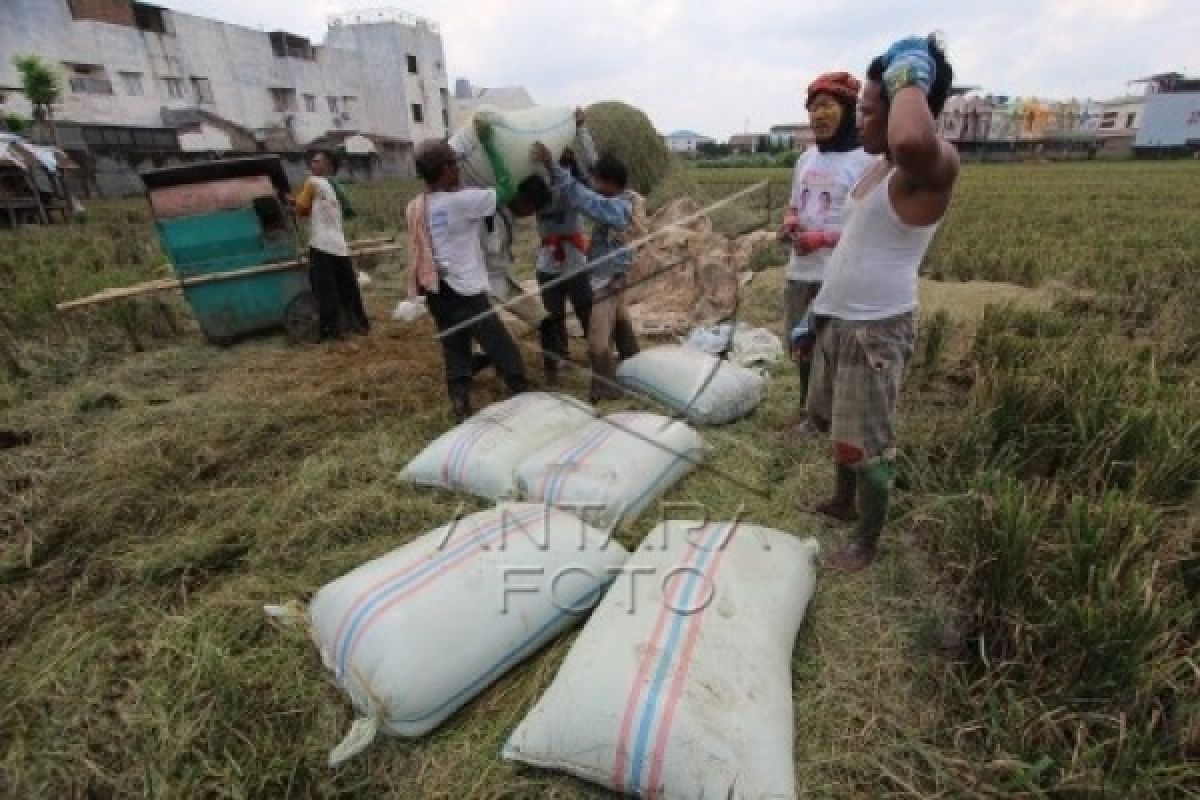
x=813, y=222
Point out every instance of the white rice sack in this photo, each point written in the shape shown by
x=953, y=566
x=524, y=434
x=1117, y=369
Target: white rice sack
x=410, y=310
x=612, y=470
x=698, y=385
x=515, y=133
x=746, y=346
x=480, y=456
x=415, y=635
x=680, y=685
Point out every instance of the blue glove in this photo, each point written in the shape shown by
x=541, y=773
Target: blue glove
x=908, y=62
x=804, y=335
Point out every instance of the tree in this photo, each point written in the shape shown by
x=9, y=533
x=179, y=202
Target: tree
x=42, y=86
x=13, y=123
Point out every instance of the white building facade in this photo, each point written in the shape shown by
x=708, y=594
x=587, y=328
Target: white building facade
x=686, y=142
x=381, y=75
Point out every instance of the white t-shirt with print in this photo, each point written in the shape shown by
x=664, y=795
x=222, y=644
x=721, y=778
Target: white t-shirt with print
x=326, y=220
x=456, y=221
x=819, y=190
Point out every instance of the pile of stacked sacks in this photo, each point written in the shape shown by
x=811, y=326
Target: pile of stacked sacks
x=679, y=686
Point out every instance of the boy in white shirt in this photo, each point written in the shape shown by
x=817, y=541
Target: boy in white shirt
x=334, y=281
x=454, y=220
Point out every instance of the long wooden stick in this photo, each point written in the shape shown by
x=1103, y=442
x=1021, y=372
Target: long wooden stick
x=169, y=284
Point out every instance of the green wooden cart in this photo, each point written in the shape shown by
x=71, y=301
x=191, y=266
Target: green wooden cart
x=225, y=216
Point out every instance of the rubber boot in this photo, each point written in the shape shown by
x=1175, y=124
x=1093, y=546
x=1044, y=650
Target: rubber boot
x=874, y=494
x=805, y=370
x=480, y=362
x=517, y=384
x=460, y=400
x=841, y=506
x=625, y=339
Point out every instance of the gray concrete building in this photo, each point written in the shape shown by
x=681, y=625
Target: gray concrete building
x=378, y=77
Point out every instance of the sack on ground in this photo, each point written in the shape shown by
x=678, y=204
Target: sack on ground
x=700, y=386
x=750, y=347
x=418, y=633
x=610, y=471
x=680, y=685
x=514, y=133
x=409, y=310
x=480, y=457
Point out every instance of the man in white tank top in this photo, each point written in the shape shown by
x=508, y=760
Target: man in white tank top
x=865, y=313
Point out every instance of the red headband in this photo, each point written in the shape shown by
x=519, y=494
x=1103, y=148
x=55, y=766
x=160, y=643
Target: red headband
x=841, y=85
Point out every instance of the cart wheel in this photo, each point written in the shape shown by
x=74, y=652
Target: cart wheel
x=301, y=320
x=219, y=340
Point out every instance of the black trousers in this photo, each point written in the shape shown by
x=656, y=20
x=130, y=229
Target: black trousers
x=339, y=301
x=450, y=309
x=577, y=289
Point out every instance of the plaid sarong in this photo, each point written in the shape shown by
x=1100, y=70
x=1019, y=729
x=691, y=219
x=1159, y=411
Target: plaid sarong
x=857, y=371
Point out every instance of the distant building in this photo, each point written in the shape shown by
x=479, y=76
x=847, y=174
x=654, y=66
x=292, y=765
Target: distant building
x=1120, y=119
x=1171, y=118
x=139, y=78
x=687, y=142
x=467, y=98
x=793, y=137
x=746, y=143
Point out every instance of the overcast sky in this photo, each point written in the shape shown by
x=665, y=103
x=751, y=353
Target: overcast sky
x=722, y=66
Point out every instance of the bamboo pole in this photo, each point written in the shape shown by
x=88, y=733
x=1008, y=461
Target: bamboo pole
x=169, y=284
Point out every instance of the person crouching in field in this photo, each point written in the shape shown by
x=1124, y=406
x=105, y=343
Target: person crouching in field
x=864, y=315
x=562, y=259
x=610, y=205
x=813, y=222
x=334, y=281
x=447, y=265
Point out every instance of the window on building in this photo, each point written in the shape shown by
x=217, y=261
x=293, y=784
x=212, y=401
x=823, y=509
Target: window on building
x=88, y=79
x=1109, y=120
x=333, y=104
x=310, y=103
x=1130, y=119
x=132, y=82
x=202, y=88
x=418, y=113
x=349, y=104
x=412, y=65
x=285, y=45
x=152, y=19
x=283, y=99
x=174, y=88
x=446, y=119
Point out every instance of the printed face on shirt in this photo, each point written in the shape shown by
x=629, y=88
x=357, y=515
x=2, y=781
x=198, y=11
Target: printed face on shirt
x=822, y=196
x=825, y=114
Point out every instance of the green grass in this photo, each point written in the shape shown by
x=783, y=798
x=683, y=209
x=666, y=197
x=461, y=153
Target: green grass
x=1031, y=631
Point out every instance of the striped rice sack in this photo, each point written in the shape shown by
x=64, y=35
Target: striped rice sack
x=418, y=633
x=480, y=456
x=680, y=685
x=702, y=387
x=612, y=470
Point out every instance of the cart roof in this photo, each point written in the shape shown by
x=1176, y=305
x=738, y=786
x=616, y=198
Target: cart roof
x=207, y=171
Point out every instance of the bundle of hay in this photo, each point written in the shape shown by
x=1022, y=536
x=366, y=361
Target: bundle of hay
x=629, y=134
